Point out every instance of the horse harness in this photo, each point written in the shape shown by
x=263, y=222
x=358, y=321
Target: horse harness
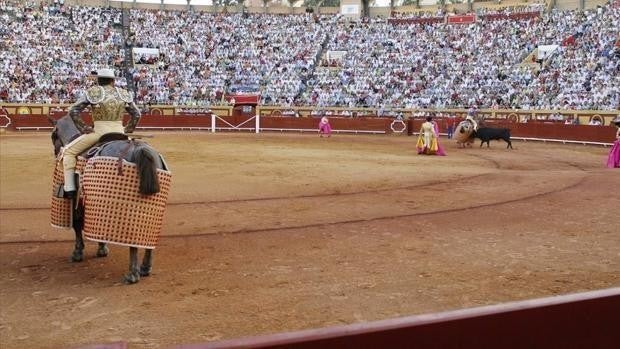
x=96, y=149
x=109, y=138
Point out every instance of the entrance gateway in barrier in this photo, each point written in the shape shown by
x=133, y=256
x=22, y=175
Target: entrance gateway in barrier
x=243, y=126
x=258, y=123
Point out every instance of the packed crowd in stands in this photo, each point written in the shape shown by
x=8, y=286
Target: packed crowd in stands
x=184, y=72
x=47, y=50
x=585, y=73
x=220, y=51
x=437, y=65
x=526, y=7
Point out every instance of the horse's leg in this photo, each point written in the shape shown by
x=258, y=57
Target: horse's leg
x=147, y=263
x=78, y=250
x=78, y=225
x=103, y=250
x=134, y=273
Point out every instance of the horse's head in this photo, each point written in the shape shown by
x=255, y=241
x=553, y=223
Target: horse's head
x=464, y=131
x=55, y=139
x=56, y=142
x=465, y=127
x=63, y=133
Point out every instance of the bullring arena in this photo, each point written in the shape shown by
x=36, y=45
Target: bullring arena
x=277, y=232
x=270, y=228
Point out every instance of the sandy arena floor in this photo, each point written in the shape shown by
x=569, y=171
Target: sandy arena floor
x=276, y=232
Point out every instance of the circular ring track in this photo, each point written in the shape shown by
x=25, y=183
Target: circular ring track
x=496, y=165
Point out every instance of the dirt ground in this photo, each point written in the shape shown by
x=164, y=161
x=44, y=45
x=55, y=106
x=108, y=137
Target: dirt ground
x=278, y=232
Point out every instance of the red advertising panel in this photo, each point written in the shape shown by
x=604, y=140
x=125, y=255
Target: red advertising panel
x=243, y=98
x=462, y=19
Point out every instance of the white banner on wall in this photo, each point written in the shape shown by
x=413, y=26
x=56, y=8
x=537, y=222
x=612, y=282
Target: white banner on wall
x=545, y=51
x=142, y=55
x=350, y=10
x=337, y=55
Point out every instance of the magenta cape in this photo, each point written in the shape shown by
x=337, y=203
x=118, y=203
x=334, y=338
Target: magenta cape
x=613, y=160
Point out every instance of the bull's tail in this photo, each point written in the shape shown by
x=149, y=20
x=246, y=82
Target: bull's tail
x=147, y=170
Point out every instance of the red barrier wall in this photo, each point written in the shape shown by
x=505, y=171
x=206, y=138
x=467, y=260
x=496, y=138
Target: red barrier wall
x=541, y=130
x=584, y=320
x=350, y=124
x=533, y=129
x=203, y=121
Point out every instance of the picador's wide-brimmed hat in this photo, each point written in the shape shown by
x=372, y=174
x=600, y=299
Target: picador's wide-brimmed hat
x=106, y=73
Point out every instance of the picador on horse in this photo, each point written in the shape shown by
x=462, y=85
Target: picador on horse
x=123, y=184
x=108, y=104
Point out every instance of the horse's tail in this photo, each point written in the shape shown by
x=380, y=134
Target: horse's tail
x=147, y=170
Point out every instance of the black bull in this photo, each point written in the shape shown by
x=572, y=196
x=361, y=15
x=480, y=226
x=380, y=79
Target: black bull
x=487, y=134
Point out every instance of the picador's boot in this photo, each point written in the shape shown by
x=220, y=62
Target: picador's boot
x=70, y=189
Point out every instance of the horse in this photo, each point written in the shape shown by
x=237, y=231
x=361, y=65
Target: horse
x=147, y=160
x=464, y=134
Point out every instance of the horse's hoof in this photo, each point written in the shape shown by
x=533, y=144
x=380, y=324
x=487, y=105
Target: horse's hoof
x=103, y=251
x=145, y=271
x=77, y=256
x=131, y=278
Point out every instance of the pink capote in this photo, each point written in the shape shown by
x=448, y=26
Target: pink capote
x=613, y=160
x=325, y=128
x=440, y=150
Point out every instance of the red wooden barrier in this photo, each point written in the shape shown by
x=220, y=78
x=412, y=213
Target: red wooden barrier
x=540, y=130
x=584, y=320
x=203, y=121
x=533, y=130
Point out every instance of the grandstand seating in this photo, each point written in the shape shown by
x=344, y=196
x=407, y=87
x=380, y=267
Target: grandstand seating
x=404, y=64
x=48, y=50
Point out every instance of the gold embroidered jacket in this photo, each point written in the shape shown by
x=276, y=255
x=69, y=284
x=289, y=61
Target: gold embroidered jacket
x=107, y=103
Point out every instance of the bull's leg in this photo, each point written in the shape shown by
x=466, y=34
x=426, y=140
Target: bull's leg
x=103, y=250
x=134, y=273
x=509, y=144
x=147, y=263
x=481, y=143
x=78, y=225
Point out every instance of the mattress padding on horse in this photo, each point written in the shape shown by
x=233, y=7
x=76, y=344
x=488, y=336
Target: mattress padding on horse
x=114, y=210
x=61, y=213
